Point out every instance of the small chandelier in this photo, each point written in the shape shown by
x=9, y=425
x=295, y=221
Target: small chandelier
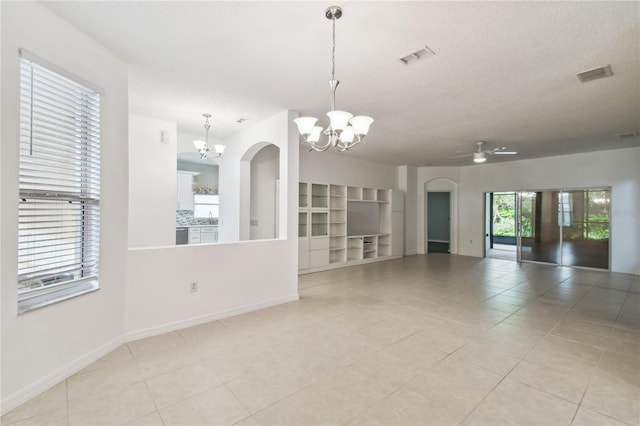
x=203, y=146
x=343, y=126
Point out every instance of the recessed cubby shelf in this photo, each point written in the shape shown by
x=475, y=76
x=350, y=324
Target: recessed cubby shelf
x=342, y=225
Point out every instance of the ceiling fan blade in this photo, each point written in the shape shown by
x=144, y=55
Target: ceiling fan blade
x=459, y=156
x=506, y=152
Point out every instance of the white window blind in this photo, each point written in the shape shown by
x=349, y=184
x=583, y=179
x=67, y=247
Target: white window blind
x=59, y=206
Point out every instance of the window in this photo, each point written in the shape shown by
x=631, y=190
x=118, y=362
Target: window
x=206, y=206
x=59, y=184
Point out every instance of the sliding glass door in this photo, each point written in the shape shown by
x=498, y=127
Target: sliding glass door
x=565, y=227
x=540, y=238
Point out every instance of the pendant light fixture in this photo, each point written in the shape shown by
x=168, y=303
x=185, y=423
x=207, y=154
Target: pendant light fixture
x=203, y=146
x=343, y=126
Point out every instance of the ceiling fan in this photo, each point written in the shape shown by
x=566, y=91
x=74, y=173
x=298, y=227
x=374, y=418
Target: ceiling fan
x=480, y=155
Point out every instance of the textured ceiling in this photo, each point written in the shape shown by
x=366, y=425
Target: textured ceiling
x=503, y=72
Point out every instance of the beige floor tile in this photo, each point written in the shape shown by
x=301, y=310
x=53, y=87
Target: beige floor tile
x=91, y=385
x=619, y=368
x=162, y=361
x=390, y=330
x=52, y=402
x=499, y=359
x=417, y=348
x=50, y=419
x=563, y=384
x=306, y=407
x=112, y=407
x=181, y=383
x=155, y=344
x=622, y=402
x=264, y=387
x=586, y=417
x=512, y=403
x=564, y=354
x=114, y=359
x=216, y=406
x=201, y=331
x=152, y=419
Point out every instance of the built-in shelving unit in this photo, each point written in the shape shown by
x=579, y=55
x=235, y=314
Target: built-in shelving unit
x=342, y=225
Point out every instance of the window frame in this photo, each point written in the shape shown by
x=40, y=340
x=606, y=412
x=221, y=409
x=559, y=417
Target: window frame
x=58, y=185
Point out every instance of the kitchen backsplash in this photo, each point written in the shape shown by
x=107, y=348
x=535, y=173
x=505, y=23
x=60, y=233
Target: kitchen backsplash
x=185, y=218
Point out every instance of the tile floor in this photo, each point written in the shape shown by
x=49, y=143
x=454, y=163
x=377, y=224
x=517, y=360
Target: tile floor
x=438, y=339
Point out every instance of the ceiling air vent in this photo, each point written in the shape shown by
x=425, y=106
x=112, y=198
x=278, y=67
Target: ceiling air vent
x=628, y=135
x=418, y=54
x=595, y=74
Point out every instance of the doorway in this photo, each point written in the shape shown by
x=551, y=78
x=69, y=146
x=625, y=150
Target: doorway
x=501, y=225
x=438, y=222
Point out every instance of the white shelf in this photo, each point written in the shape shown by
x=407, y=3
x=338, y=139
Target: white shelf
x=327, y=215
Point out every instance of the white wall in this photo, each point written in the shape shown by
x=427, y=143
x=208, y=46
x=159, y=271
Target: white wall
x=618, y=169
x=152, y=187
x=44, y=346
x=407, y=181
x=264, y=177
x=208, y=177
x=233, y=277
x=342, y=169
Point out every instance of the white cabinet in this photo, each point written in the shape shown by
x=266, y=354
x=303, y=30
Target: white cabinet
x=209, y=234
x=195, y=236
x=318, y=252
x=184, y=190
x=303, y=253
x=203, y=234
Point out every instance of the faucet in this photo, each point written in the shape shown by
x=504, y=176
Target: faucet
x=210, y=218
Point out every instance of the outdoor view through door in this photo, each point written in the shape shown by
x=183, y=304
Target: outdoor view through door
x=563, y=227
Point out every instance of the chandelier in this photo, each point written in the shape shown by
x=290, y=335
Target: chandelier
x=345, y=131
x=203, y=146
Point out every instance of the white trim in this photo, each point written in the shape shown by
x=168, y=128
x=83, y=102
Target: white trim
x=178, y=325
x=32, y=57
x=44, y=383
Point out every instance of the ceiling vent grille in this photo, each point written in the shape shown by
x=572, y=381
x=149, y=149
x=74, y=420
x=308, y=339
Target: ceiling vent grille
x=418, y=54
x=595, y=74
x=628, y=135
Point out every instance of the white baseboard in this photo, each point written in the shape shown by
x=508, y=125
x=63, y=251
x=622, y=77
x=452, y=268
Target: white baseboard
x=190, y=322
x=62, y=373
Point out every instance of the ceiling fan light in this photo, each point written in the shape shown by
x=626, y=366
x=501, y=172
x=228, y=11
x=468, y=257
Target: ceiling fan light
x=479, y=157
x=305, y=125
x=361, y=124
x=339, y=119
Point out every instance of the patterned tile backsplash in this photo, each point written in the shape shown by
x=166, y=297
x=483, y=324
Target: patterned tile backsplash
x=185, y=218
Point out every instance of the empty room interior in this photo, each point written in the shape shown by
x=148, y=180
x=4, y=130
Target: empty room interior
x=319, y=213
